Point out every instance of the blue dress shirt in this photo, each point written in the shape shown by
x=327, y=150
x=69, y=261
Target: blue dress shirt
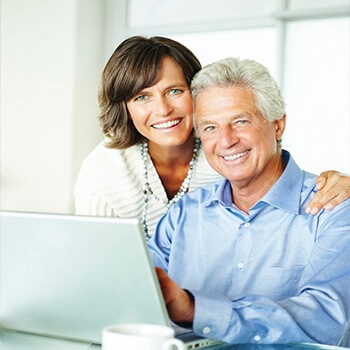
x=275, y=275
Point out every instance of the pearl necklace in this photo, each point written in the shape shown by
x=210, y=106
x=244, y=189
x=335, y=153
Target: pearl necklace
x=147, y=190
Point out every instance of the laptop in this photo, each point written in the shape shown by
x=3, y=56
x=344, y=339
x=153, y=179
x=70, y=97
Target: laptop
x=69, y=276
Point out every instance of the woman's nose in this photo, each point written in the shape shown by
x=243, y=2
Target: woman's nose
x=162, y=107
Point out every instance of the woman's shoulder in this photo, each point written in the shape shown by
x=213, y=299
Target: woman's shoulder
x=104, y=158
x=111, y=168
x=110, y=181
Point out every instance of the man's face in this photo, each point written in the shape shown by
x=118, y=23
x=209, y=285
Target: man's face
x=239, y=143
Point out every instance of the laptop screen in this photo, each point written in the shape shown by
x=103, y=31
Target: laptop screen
x=70, y=276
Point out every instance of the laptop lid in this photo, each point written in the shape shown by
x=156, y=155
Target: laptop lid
x=70, y=276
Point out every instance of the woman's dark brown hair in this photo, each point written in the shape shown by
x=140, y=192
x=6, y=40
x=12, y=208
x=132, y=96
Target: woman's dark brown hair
x=135, y=65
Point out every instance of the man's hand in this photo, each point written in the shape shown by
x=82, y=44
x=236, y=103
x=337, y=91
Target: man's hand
x=333, y=188
x=179, y=302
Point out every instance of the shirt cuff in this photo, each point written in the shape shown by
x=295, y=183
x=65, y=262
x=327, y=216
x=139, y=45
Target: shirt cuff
x=212, y=316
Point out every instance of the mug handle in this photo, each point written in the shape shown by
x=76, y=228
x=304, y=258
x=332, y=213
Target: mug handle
x=170, y=342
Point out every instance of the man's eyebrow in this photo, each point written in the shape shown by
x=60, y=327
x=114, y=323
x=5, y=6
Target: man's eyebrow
x=206, y=121
x=242, y=115
x=211, y=119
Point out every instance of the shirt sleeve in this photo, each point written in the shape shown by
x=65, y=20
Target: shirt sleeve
x=159, y=245
x=319, y=312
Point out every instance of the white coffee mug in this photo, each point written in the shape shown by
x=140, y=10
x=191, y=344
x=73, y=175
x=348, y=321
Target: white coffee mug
x=135, y=336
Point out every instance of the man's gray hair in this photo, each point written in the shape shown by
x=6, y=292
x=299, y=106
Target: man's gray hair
x=247, y=74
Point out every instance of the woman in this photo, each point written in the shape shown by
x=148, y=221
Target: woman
x=150, y=156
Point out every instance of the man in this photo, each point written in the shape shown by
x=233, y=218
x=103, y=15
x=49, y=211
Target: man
x=240, y=260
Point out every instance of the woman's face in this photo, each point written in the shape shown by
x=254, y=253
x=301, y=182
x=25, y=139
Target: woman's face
x=163, y=112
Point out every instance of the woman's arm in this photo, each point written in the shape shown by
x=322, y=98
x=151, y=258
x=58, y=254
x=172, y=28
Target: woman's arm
x=333, y=188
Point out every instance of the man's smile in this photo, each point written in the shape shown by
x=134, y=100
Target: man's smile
x=236, y=156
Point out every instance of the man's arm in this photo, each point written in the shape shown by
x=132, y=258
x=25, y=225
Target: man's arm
x=333, y=188
x=179, y=302
x=318, y=312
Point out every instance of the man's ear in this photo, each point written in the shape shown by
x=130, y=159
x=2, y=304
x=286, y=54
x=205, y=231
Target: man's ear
x=280, y=125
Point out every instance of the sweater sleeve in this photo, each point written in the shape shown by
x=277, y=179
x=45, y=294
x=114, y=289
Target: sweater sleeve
x=90, y=192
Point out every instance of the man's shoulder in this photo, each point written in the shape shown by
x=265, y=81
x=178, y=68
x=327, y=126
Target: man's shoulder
x=205, y=192
x=309, y=183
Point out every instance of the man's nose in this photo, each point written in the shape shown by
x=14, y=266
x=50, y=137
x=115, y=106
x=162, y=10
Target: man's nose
x=228, y=136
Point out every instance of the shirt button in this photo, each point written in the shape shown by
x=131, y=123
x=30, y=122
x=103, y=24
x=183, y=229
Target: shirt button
x=257, y=338
x=247, y=224
x=240, y=265
x=206, y=330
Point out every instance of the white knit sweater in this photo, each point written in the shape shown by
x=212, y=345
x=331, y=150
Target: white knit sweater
x=110, y=183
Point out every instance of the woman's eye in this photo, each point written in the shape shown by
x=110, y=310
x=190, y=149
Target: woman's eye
x=140, y=98
x=174, y=91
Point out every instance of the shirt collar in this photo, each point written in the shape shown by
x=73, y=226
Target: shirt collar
x=284, y=194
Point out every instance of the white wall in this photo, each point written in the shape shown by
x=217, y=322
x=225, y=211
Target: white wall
x=317, y=92
x=51, y=58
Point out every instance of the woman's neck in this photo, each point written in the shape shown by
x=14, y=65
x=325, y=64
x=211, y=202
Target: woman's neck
x=172, y=164
x=171, y=157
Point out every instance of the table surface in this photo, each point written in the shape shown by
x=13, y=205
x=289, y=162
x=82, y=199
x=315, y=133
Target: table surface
x=15, y=340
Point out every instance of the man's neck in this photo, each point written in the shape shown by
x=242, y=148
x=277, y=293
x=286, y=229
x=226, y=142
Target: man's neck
x=245, y=194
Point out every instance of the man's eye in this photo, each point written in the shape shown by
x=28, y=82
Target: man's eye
x=242, y=122
x=208, y=128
